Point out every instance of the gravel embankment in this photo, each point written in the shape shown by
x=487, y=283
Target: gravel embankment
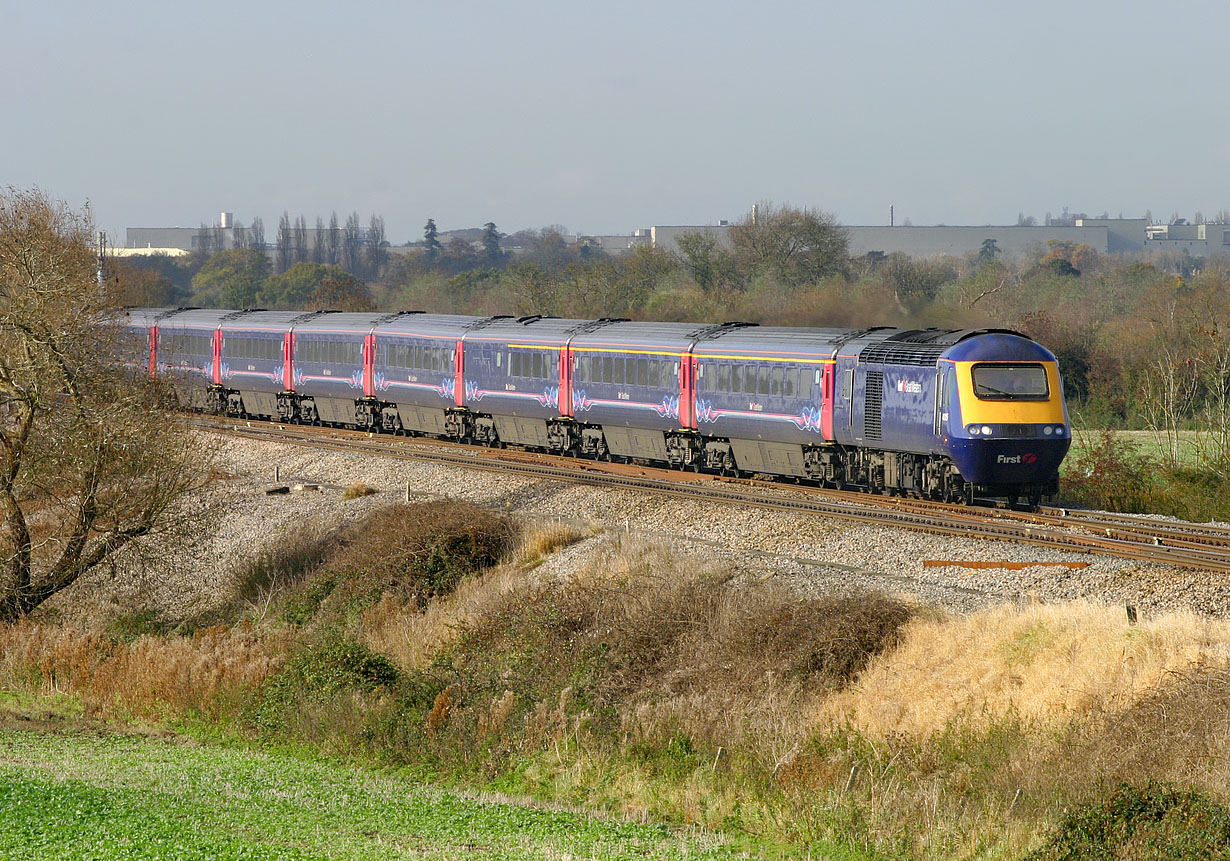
x=813, y=554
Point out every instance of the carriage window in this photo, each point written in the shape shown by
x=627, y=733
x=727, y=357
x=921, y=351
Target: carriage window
x=618, y=377
x=762, y=380
x=607, y=373
x=723, y=381
x=655, y=373
x=791, y=383
x=776, y=386
x=536, y=365
x=642, y=372
x=583, y=368
x=514, y=364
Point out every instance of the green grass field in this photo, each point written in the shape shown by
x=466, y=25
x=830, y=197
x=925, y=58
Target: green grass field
x=97, y=796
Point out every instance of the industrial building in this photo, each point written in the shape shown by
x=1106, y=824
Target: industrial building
x=1104, y=235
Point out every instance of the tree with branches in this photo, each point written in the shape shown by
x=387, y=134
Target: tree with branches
x=91, y=462
x=797, y=246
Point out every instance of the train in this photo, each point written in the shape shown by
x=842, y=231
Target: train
x=945, y=414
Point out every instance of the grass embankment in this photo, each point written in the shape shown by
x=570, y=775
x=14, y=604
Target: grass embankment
x=82, y=795
x=657, y=689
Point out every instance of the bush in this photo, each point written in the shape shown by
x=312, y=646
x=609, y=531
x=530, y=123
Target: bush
x=320, y=672
x=1107, y=472
x=411, y=552
x=1154, y=821
x=289, y=561
x=685, y=654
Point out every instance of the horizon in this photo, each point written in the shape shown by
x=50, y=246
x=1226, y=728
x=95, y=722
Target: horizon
x=551, y=113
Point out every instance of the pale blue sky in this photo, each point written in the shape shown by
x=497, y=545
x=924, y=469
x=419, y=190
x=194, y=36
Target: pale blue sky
x=610, y=117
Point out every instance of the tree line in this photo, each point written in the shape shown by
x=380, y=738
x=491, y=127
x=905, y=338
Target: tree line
x=1141, y=338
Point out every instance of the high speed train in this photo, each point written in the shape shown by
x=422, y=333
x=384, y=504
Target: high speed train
x=937, y=413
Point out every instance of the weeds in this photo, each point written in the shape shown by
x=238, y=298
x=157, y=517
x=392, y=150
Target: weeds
x=1153, y=821
x=357, y=490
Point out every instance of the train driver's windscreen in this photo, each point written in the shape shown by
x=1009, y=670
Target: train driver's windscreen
x=1010, y=382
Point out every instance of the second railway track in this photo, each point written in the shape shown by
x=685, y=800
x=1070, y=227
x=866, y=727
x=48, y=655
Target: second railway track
x=1133, y=538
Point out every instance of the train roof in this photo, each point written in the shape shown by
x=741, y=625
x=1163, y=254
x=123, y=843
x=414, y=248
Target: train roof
x=773, y=340
x=270, y=322
x=340, y=322
x=627, y=333
x=194, y=318
x=417, y=325
x=534, y=329
x=141, y=317
x=998, y=345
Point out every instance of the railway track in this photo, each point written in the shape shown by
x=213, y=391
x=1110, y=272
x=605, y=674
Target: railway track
x=1173, y=543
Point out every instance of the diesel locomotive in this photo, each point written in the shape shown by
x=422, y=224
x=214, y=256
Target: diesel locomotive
x=936, y=413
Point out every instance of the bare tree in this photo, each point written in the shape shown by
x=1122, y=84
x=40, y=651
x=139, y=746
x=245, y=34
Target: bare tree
x=798, y=246
x=352, y=244
x=90, y=464
x=258, y=234
x=285, y=243
x=301, y=239
x=320, y=250
x=205, y=239
x=335, y=240
x=1168, y=366
x=377, y=247
x=243, y=239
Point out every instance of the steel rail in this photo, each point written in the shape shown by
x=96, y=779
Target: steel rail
x=1054, y=532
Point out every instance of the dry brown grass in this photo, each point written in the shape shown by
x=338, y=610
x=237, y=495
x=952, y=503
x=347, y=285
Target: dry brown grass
x=663, y=643
x=410, y=633
x=1044, y=663
x=211, y=672
x=541, y=540
x=1178, y=731
x=358, y=489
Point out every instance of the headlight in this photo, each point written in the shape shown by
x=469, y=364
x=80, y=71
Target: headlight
x=1048, y=430
x=1060, y=430
x=973, y=430
x=986, y=430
